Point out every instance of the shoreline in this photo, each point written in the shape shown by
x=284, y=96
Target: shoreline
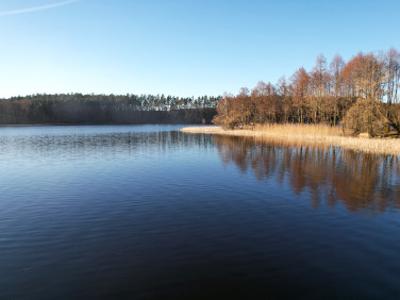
x=88, y=124
x=292, y=135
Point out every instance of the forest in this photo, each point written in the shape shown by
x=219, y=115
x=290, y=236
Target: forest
x=106, y=109
x=361, y=95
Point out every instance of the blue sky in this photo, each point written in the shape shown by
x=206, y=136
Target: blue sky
x=179, y=47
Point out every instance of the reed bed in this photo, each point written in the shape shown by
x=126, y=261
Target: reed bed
x=307, y=135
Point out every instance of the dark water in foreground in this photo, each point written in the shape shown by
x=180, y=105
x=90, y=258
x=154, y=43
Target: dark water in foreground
x=147, y=212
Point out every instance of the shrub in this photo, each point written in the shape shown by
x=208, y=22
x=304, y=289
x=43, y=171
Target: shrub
x=367, y=116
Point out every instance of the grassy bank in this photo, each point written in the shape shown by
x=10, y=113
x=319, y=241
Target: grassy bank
x=316, y=135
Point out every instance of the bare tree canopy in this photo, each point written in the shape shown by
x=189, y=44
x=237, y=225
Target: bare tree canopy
x=366, y=89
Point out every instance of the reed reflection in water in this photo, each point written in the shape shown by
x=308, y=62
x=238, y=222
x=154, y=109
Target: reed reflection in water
x=359, y=180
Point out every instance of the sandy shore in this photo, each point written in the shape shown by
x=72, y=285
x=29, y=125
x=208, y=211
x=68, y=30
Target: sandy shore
x=306, y=135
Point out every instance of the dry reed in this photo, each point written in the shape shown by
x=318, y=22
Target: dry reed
x=310, y=135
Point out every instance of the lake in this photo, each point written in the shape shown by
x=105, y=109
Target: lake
x=148, y=212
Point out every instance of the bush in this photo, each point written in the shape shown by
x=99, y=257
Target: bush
x=367, y=116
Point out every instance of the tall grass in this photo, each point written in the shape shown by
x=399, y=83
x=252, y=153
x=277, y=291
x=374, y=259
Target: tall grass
x=300, y=134
x=299, y=129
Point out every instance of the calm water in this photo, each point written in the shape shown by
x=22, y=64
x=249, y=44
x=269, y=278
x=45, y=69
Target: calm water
x=146, y=212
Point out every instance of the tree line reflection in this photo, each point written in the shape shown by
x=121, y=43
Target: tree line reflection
x=94, y=142
x=329, y=175
x=357, y=180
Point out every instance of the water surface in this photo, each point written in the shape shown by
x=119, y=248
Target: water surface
x=147, y=212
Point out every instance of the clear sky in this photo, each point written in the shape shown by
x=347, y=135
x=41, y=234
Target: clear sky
x=179, y=47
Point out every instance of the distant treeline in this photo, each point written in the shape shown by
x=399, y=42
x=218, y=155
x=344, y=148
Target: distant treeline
x=362, y=94
x=106, y=109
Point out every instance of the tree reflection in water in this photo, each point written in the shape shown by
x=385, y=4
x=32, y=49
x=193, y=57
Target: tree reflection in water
x=330, y=174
